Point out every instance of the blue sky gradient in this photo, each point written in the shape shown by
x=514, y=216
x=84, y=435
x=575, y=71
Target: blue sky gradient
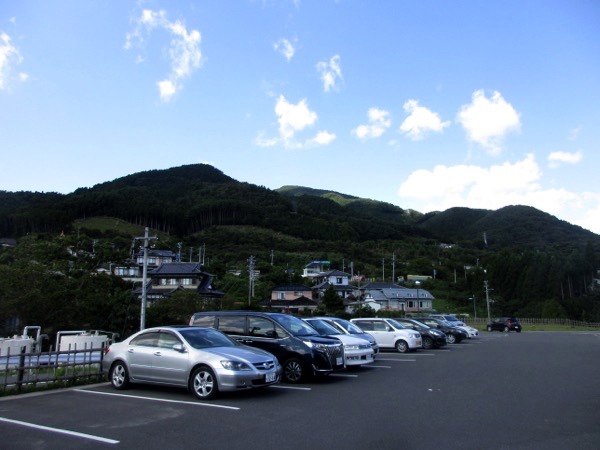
x=423, y=104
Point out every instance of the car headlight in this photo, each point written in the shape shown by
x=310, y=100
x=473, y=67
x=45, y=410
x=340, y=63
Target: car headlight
x=351, y=347
x=314, y=344
x=416, y=336
x=436, y=333
x=235, y=365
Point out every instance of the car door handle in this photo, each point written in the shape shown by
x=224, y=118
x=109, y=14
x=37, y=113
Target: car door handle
x=156, y=353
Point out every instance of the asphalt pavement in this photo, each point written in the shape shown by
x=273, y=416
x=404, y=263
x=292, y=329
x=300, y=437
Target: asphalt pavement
x=529, y=390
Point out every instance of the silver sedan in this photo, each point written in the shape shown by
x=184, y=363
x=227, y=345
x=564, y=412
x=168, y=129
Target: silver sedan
x=204, y=360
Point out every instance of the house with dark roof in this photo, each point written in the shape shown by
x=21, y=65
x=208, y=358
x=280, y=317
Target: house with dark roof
x=395, y=297
x=340, y=282
x=168, y=278
x=291, y=298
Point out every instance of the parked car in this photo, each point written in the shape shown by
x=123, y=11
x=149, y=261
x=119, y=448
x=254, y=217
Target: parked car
x=204, y=360
x=300, y=350
x=455, y=322
x=505, y=324
x=357, y=351
x=454, y=335
x=347, y=327
x=390, y=334
x=432, y=337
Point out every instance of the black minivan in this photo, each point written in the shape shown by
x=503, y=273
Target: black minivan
x=300, y=350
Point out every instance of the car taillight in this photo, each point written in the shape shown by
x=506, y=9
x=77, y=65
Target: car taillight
x=106, y=350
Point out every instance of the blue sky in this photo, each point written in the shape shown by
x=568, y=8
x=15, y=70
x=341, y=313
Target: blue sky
x=423, y=104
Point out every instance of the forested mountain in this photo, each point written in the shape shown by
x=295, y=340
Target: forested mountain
x=537, y=264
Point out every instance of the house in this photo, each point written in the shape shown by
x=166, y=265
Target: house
x=315, y=268
x=290, y=292
x=336, y=278
x=133, y=270
x=291, y=298
x=395, y=297
x=168, y=278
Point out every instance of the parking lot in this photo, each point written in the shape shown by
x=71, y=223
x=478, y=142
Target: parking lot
x=500, y=391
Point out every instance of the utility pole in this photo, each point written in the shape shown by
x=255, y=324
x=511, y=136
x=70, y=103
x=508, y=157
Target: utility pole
x=251, y=265
x=146, y=240
x=487, y=299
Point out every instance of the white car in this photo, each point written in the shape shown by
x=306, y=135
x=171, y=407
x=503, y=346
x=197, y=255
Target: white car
x=346, y=327
x=454, y=322
x=357, y=351
x=390, y=334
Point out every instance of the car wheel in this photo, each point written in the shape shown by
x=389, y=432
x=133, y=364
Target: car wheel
x=451, y=339
x=293, y=370
x=427, y=343
x=506, y=329
x=489, y=328
x=402, y=346
x=119, y=377
x=203, y=383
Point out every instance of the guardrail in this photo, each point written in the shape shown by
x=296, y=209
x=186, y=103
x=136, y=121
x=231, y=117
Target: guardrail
x=28, y=371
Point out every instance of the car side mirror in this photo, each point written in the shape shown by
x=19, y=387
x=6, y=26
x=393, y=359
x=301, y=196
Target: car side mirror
x=179, y=348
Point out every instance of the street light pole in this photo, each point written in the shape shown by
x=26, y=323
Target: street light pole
x=474, y=307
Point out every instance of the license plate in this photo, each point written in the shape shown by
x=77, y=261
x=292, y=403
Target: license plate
x=339, y=361
x=418, y=342
x=270, y=377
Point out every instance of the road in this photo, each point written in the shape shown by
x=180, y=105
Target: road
x=536, y=390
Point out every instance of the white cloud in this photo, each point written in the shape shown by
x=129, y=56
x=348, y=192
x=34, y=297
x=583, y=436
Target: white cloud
x=497, y=186
x=292, y=119
x=322, y=138
x=184, y=51
x=285, y=48
x=379, y=122
x=330, y=72
x=488, y=120
x=10, y=57
x=420, y=121
x=556, y=158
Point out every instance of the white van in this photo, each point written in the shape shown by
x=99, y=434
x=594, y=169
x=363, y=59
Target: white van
x=390, y=334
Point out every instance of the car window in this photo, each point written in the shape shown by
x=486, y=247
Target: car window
x=261, y=327
x=365, y=325
x=204, y=321
x=295, y=326
x=149, y=339
x=207, y=337
x=232, y=325
x=324, y=328
x=167, y=340
x=380, y=326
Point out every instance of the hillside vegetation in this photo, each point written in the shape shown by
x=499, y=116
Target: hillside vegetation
x=536, y=264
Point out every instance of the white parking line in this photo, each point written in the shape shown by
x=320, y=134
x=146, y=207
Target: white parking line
x=345, y=375
x=139, y=397
x=58, y=430
x=378, y=367
x=285, y=386
x=395, y=360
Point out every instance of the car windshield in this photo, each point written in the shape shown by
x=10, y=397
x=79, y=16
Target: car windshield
x=207, y=338
x=419, y=324
x=322, y=327
x=295, y=326
x=397, y=324
x=348, y=326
